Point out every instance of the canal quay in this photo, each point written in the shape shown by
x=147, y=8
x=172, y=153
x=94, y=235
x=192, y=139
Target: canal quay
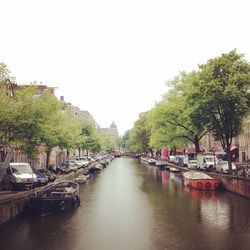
x=133, y=206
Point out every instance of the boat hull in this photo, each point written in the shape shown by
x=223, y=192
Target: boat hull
x=203, y=184
x=63, y=196
x=48, y=206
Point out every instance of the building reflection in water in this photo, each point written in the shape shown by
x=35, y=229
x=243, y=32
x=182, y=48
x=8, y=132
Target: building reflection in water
x=164, y=177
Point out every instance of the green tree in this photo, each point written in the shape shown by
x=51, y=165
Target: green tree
x=52, y=130
x=5, y=75
x=108, y=143
x=24, y=116
x=125, y=140
x=89, y=139
x=34, y=118
x=174, y=120
x=140, y=135
x=222, y=96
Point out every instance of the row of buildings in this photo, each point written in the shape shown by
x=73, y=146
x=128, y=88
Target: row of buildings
x=240, y=146
x=57, y=155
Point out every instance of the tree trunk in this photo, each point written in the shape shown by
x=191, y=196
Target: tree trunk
x=229, y=159
x=197, y=144
x=79, y=151
x=47, y=158
x=151, y=152
x=67, y=155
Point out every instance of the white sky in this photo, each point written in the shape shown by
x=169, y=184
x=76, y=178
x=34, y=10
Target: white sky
x=113, y=57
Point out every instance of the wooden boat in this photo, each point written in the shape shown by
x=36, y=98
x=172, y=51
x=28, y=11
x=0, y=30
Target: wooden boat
x=161, y=163
x=152, y=161
x=173, y=169
x=199, y=180
x=62, y=196
x=81, y=179
x=144, y=159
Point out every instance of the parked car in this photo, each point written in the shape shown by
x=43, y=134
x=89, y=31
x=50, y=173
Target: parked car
x=72, y=166
x=42, y=179
x=53, y=168
x=75, y=162
x=59, y=169
x=48, y=173
x=192, y=164
x=83, y=161
x=222, y=167
x=19, y=175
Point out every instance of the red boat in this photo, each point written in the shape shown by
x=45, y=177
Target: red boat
x=199, y=180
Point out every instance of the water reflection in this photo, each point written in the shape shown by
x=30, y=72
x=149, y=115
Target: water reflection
x=203, y=195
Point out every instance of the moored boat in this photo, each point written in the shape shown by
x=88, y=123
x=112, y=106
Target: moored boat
x=161, y=164
x=81, y=179
x=152, y=161
x=144, y=159
x=199, y=180
x=173, y=169
x=63, y=196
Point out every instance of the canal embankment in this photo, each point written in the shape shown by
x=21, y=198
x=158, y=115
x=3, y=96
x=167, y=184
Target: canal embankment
x=237, y=185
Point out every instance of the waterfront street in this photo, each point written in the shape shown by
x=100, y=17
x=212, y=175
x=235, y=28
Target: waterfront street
x=134, y=206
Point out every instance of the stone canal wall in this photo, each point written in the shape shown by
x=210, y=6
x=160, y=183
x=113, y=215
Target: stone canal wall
x=11, y=208
x=234, y=184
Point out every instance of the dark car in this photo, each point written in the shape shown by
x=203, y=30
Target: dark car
x=53, y=168
x=63, y=169
x=49, y=174
x=42, y=179
x=59, y=169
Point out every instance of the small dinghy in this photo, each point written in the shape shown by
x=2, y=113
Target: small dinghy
x=173, y=169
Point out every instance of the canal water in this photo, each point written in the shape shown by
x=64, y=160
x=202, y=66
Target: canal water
x=130, y=206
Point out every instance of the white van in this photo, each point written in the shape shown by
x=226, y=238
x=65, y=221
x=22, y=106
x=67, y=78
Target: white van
x=222, y=167
x=19, y=175
x=181, y=160
x=206, y=161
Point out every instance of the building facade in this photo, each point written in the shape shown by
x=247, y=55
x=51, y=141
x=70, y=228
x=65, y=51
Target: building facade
x=240, y=147
x=112, y=131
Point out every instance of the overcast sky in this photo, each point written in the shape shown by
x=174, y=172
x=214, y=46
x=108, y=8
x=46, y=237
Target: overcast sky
x=113, y=57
